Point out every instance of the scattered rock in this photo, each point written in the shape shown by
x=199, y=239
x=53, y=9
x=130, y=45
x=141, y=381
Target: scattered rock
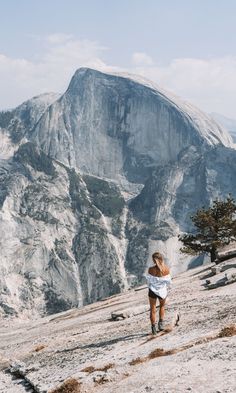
x=118, y=316
x=215, y=269
x=148, y=388
x=102, y=378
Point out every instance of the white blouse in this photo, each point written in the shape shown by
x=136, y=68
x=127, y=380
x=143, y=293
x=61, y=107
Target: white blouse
x=158, y=285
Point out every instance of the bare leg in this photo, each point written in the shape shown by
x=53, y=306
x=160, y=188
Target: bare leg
x=153, y=314
x=162, y=309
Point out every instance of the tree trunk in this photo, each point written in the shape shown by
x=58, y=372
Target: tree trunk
x=213, y=253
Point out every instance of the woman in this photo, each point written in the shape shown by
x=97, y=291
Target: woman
x=158, y=279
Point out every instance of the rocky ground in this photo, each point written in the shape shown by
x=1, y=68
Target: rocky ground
x=83, y=350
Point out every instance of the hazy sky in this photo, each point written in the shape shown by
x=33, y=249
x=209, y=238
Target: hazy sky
x=186, y=46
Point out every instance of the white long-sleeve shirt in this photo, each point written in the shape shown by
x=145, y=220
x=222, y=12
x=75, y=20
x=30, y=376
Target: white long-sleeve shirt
x=159, y=285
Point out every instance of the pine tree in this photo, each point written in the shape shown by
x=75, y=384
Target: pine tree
x=215, y=227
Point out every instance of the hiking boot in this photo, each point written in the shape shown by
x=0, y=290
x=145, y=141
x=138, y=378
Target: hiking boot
x=161, y=324
x=154, y=330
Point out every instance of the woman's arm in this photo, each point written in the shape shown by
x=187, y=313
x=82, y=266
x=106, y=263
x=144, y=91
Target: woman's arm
x=167, y=270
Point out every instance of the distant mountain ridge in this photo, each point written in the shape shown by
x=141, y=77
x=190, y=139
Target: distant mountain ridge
x=95, y=180
x=227, y=123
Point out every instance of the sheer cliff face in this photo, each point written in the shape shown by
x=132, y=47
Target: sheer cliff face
x=115, y=127
x=56, y=248
x=170, y=196
x=69, y=232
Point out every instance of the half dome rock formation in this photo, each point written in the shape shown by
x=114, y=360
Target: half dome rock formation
x=116, y=127
x=93, y=181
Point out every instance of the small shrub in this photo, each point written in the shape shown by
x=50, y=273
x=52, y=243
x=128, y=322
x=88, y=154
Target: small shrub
x=160, y=352
x=228, y=331
x=137, y=361
x=69, y=386
x=89, y=369
x=39, y=347
x=106, y=367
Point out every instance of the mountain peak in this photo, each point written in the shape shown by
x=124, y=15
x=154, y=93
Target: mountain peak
x=81, y=74
x=129, y=84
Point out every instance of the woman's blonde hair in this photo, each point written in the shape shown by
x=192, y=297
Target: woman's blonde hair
x=159, y=262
